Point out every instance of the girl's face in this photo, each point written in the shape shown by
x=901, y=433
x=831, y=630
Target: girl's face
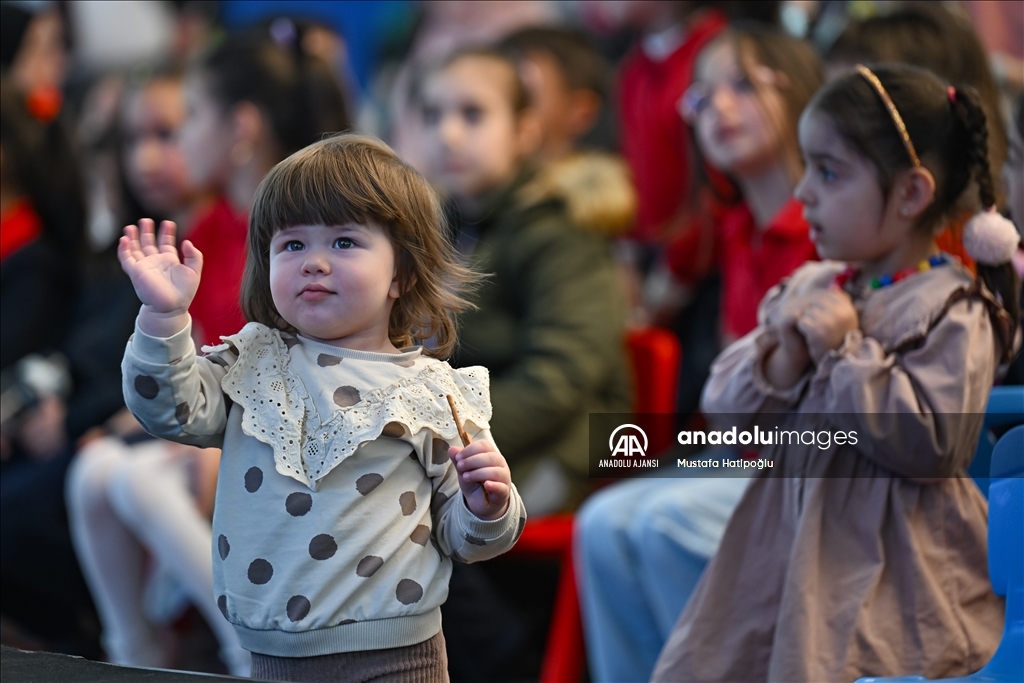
x=738, y=119
x=206, y=136
x=849, y=217
x=155, y=165
x=473, y=138
x=1013, y=174
x=335, y=284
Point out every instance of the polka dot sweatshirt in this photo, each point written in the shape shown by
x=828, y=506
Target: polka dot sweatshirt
x=338, y=513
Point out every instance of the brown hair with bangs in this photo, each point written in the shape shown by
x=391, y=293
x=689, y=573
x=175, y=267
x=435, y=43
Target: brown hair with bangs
x=346, y=179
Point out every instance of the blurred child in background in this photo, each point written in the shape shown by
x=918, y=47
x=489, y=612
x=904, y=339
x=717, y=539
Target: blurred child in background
x=549, y=320
x=153, y=171
x=42, y=231
x=867, y=558
x=567, y=82
x=249, y=103
x=643, y=544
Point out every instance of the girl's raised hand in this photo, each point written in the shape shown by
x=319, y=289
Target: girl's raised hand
x=164, y=283
x=480, y=465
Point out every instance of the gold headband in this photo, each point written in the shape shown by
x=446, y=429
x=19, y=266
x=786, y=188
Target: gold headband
x=893, y=112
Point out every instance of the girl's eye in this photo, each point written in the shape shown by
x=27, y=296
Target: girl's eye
x=826, y=173
x=431, y=116
x=165, y=135
x=473, y=114
x=742, y=85
x=343, y=243
x=293, y=245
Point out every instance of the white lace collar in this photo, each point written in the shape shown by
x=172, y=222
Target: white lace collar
x=278, y=409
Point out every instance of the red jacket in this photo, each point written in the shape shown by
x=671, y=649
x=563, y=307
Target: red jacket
x=220, y=234
x=751, y=261
x=655, y=140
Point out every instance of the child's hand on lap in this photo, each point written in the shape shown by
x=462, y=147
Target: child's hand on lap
x=164, y=284
x=480, y=465
x=826, y=318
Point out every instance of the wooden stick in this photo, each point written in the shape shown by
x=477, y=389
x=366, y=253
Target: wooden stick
x=464, y=435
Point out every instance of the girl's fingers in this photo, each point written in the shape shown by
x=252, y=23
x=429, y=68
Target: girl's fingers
x=496, y=489
x=165, y=240
x=193, y=257
x=147, y=237
x=124, y=251
x=472, y=462
x=495, y=474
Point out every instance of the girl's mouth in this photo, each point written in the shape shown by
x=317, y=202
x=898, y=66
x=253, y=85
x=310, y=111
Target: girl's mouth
x=314, y=292
x=726, y=133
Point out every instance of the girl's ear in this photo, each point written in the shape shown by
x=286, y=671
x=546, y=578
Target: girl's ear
x=396, y=290
x=529, y=133
x=914, y=192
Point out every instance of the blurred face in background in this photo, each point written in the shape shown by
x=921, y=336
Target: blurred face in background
x=565, y=114
x=206, y=137
x=155, y=164
x=474, y=139
x=738, y=118
x=42, y=58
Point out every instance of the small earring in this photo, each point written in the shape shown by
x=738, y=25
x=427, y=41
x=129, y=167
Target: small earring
x=904, y=212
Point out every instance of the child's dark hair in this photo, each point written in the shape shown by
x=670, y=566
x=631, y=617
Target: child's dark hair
x=929, y=36
x=296, y=92
x=948, y=130
x=582, y=66
x=348, y=179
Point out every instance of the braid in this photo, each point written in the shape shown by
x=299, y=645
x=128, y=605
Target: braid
x=971, y=114
x=999, y=279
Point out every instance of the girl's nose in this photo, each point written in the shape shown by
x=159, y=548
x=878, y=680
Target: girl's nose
x=449, y=130
x=148, y=156
x=802, y=192
x=315, y=263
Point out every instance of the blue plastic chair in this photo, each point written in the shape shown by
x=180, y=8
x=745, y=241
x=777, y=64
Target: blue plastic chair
x=1005, y=563
x=1005, y=406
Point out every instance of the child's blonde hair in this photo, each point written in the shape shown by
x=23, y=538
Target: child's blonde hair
x=347, y=179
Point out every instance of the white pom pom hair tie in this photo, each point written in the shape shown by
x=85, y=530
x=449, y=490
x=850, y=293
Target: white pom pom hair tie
x=990, y=239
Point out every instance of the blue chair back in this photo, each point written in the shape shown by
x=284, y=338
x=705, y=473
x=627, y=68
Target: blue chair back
x=1005, y=406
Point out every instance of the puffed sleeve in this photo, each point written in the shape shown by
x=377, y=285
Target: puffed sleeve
x=173, y=392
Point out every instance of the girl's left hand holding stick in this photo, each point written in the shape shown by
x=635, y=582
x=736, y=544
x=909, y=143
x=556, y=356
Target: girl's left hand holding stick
x=164, y=283
x=484, y=477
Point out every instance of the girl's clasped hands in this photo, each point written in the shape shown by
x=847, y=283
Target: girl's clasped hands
x=808, y=328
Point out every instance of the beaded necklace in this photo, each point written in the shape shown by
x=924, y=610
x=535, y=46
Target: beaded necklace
x=844, y=278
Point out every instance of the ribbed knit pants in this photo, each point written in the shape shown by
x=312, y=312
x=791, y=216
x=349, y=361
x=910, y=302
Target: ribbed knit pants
x=425, y=662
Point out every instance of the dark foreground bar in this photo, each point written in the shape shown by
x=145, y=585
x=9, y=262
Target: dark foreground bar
x=19, y=666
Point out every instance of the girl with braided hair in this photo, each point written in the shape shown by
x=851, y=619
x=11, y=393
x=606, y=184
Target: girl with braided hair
x=865, y=555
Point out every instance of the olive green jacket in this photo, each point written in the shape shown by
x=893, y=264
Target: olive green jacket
x=549, y=327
